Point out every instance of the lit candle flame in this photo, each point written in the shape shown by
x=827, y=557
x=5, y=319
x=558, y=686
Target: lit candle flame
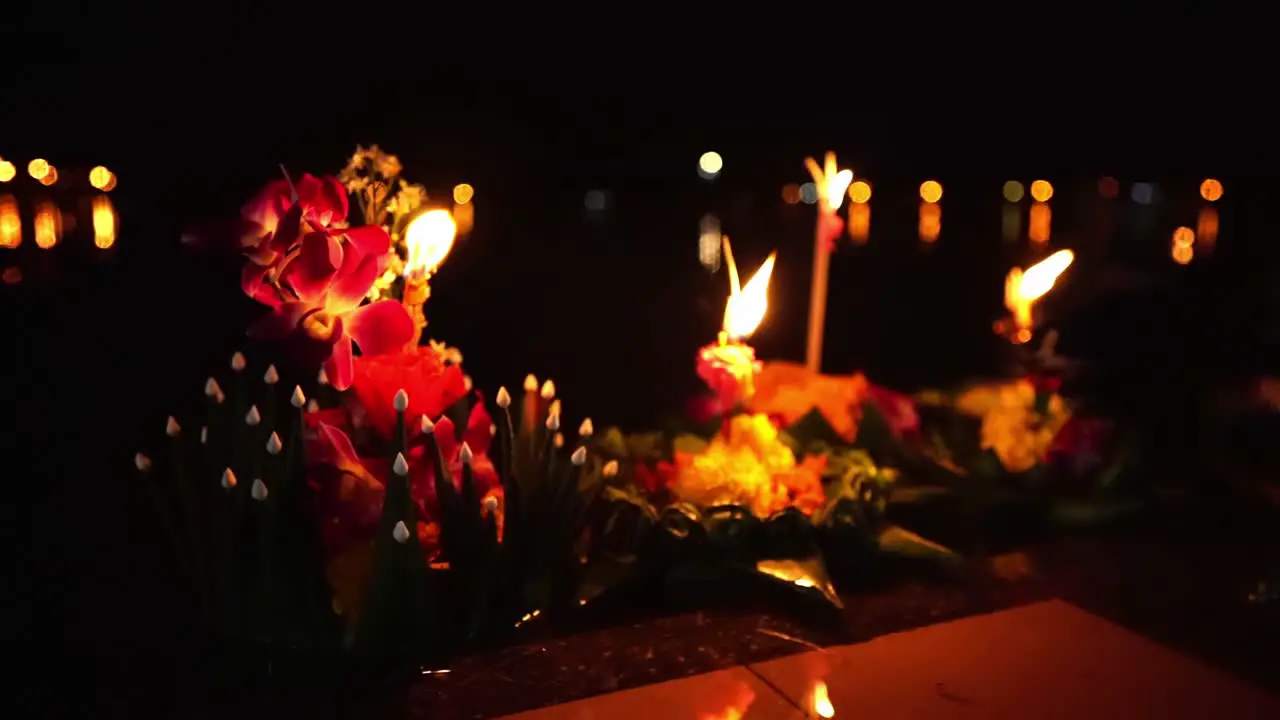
x=831, y=181
x=1023, y=288
x=10, y=222
x=429, y=238
x=104, y=222
x=747, y=304
x=822, y=706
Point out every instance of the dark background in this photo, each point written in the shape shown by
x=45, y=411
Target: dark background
x=195, y=107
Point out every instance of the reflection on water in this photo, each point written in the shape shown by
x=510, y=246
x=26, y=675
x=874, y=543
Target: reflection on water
x=709, y=242
x=10, y=222
x=1183, y=250
x=1039, y=224
x=1207, y=227
x=105, y=222
x=860, y=222
x=930, y=224
x=1011, y=219
x=48, y=224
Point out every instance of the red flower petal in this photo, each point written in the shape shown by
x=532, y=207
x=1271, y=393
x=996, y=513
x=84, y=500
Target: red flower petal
x=447, y=438
x=380, y=328
x=312, y=272
x=477, y=434
x=353, y=281
x=251, y=281
x=268, y=206
x=280, y=322
x=335, y=417
x=368, y=240
x=338, y=366
x=325, y=199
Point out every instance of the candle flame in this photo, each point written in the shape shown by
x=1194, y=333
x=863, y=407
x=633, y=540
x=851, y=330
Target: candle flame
x=822, y=706
x=747, y=304
x=429, y=238
x=830, y=181
x=1022, y=288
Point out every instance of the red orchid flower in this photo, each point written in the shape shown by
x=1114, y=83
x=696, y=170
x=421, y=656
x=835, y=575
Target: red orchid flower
x=433, y=386
x=320, y=294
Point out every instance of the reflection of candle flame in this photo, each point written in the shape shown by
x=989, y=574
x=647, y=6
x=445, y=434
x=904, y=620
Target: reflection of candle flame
x=930, y=221
x=859, y=222
x=822, y=706
x=465, y=215
x=747, y=304
x=1040, y=222
x=1023, y=288
x=1010, y=222
x=10, y=222
x=1207, y=227
x=104, y=222
x=46, y=225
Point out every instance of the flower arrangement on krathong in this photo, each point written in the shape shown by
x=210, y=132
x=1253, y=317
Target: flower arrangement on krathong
x=373, y=515
x=748, y=491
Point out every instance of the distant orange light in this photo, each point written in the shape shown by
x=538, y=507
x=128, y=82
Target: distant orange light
x=859, y=222
x=791, y=194
x=104, y=222
x=1109, y=188
x=10, y=222
x=930, y=224
x=1207, y=227
x=38, y=168
x=860, y=191
x=46, y=225
x=1184, y=237
x=1183, y=254
x=50, y=177
x=1211, y=190
x=7, y=171
x=1040, y=223
x=12, y=275
x=1041, y=191
x=931, y=191
x=463, y=193
x=100, y=177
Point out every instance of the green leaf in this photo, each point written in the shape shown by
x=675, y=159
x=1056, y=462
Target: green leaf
x=874, y=434
x=808, y=573
x=909, y=495
x=1083, y=513
x=688, y=444
x=900, y=542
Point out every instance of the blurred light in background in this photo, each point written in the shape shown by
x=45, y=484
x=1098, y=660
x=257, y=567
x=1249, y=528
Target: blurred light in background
x=1012, y=191
x=1207, y=227
x=809, y=193
x=860, y=191
x=860, y=222
x=38, y=168
x=791, y=193
x=1184, y=241
x=50, y=177
x=1211, y=190
x=7, y=171
x=1109, y=188
x=464, y=216
x=709, y=242
x=710, y=164
x=1041, y=191
x=1040, y=223
x=1143, y=193
x=930, y=225
x=1010, y=222
x=46, y=225
x=12, y=275
x=102, y=179
x=595, y=200
x=105, y=222
x=931, y=191
x=462, y=193
x=10, y=222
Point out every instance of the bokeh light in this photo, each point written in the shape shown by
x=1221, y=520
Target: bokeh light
x=100, y=177
x=930, y=225
x=1207, y=227
x=1184, y=236
x=808, y=193
x=10, y=222
x=709, y=242
x=462, y=193
x=38, y=168
x=791, y=193
x=104, y=222
x=931, y=191
x=1211, y=190
x=1143, y=193
x=7, y=171
x=595, y=200
x=860, y=222
x=1109, y=188
x=710, y=164
x=1040, y=223
x=46, y=225
x=1041, y=191
x=1012, y=191
x=1183, y=254
x=1010, y=222
x=860, y=191
x=50, y=176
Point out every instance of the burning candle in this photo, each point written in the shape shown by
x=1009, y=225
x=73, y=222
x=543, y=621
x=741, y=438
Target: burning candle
x=429, y=238
x=729, y=365
x=831, y=183
x=1023, y=288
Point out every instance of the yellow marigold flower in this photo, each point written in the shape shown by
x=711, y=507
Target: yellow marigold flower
x=1011, y=427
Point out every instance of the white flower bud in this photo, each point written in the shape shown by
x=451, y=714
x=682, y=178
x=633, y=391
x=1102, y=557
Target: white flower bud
x=171, y=428
x=211, y=388
x=610, y=469
x=503, y=398
x=253, y=417
x=400, y=532
x=553, y=422
x=548, y=390
x=401, y=466
x=228, y=479
x=586, y=429
x=530, y=383
x=237, y=362
x=271, y=376
x=274, y=446
x=579, y=456
x=142, y=462
x=428, y=427
x=259, y=490
x=297, y=399
x=464, y=453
